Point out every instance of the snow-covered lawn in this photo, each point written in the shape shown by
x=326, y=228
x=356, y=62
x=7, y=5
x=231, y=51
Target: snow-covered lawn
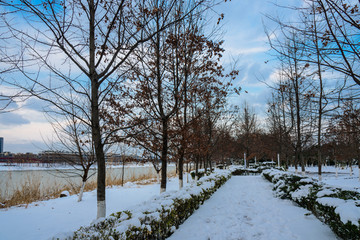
x=343, y=179
x=43, y=220
x=245, y=208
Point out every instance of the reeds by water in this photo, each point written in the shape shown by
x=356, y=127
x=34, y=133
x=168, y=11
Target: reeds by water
x=31, y=190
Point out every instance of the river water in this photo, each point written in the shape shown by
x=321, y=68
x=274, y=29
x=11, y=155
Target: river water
x=49, y=181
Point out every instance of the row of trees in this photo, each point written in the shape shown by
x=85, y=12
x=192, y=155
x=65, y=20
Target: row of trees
x=314, y=105
x=148, y=73
x=143, y=73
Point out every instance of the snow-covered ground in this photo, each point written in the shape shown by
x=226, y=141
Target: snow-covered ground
x=342, y=179
x=43, y=220
x=244, y=208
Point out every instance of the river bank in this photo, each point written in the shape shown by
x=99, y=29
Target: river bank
x=26, y=184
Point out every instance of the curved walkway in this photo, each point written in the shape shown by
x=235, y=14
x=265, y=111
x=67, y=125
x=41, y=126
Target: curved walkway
x=245, y=209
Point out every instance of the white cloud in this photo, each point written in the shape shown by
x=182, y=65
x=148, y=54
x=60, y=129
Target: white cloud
x=274, y=76
x=246, y=51
x=24, y=128
x=33, y=131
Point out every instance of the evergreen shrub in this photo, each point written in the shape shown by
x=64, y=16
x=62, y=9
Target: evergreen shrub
x=325, y=202
x=157, y=218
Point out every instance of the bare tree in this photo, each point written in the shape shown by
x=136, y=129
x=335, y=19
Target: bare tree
x=8, y=96
x=167, y=70
x=247, y=127
x=291, y=53
x=319, y=54
x=74, y=138
x=195, y=59
x=344, y=131
x=83, y=45
x=340, y=36
x=279, y=124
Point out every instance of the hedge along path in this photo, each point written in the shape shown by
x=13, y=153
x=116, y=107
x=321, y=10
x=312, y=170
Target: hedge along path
x=338, y=207
x=245, y=208
x=156, y=218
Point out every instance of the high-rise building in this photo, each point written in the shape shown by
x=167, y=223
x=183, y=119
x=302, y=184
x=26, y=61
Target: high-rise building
x=1, y=145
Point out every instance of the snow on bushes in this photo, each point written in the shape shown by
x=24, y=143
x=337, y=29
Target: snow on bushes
x=158, y=217
x=241, y=171
x=200, y=173
x=337, y=207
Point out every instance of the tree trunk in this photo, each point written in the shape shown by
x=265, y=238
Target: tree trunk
x=158, y=176
x=278, y=159
x=99, y=152
x=296, y=160
x=318, y=54
x=302, y=163
x=84, y=179
x=164, y=155
x=336, y=167
x=81, y=191
x=358, y=162
x=101, y=175
x=187, y=172
x=181, y=168
x=95, y=117
x=300, y=158
x=319, y=163
x=210, y=165
x=298, y=118
x=196, y=168
x=123, y=171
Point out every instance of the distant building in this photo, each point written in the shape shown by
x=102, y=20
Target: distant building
x=1, y=145
x=7, y=154
x=25, y=158
x=59, y=157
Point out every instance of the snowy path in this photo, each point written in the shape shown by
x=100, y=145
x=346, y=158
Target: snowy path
x=245, y=209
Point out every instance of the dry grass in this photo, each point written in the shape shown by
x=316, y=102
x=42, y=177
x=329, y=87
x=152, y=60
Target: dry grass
x=30, y=189
x=27, y=192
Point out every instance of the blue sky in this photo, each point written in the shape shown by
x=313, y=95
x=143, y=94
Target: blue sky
x=26, y=129
x=245, y=40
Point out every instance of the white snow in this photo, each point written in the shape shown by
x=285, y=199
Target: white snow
x=330, y=201
x=343, y=178
x=347, y=209
x=306, y=180
x=148, y=211
x=324, y=192
x=65, y=193
x=43, y=220
x=303, y=191
x=349, y=212
x=245, y=208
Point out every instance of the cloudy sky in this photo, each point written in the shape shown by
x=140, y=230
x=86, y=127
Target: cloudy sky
x=26, y=129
